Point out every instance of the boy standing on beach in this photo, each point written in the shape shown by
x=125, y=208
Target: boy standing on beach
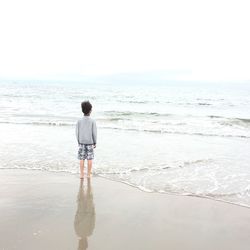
x=86, y=133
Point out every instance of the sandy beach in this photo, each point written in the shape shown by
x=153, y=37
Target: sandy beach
x=48, y=210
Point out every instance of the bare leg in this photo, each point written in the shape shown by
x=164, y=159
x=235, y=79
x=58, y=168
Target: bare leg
x=81, y=169
x=89, y=167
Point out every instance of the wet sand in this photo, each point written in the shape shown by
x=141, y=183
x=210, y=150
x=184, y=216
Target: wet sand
x=49, y=210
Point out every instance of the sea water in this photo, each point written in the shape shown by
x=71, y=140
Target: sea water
x=174, y=137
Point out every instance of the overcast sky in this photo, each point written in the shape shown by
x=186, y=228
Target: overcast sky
x=197, y=40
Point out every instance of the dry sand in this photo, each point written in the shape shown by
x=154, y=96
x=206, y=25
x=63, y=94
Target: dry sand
x=48, y=210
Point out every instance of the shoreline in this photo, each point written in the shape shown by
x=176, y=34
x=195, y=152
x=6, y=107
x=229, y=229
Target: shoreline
x=55, y=210
x=176, y=194
x=136, y=187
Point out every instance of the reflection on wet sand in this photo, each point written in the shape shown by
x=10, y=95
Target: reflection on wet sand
x=85, y=214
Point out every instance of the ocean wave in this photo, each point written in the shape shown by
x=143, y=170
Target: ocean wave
x=215, y=116
x=204, y=104
x=244, y=120
x=176, y=132
x=136, y=101
x=118, y=171
x=40, y=123
x=158, y=131
x=226, y=198
x=133, y=101
x=152, y=168
x=241, y=122
x=51, y=116
x=131, y=113
x=127, y=114
x=222, y=197
x=115, y=115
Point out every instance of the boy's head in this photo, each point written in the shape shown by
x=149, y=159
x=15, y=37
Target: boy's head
x=86, y=107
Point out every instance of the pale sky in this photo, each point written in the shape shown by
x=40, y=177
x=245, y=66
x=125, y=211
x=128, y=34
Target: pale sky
x=202, y=40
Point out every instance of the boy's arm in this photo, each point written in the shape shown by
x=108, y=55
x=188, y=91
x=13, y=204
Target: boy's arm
x=94, y=133
x=77, y=133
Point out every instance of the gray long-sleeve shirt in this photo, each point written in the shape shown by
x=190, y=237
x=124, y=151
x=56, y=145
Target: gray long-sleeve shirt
x=86, y=131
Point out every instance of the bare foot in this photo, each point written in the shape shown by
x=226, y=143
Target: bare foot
x=81, y=176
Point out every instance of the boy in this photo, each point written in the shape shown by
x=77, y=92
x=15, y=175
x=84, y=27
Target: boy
x=86, y=133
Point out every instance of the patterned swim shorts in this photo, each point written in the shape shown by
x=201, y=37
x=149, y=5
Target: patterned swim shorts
x=85, y=152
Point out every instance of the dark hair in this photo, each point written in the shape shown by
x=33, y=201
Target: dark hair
x=86, y=107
